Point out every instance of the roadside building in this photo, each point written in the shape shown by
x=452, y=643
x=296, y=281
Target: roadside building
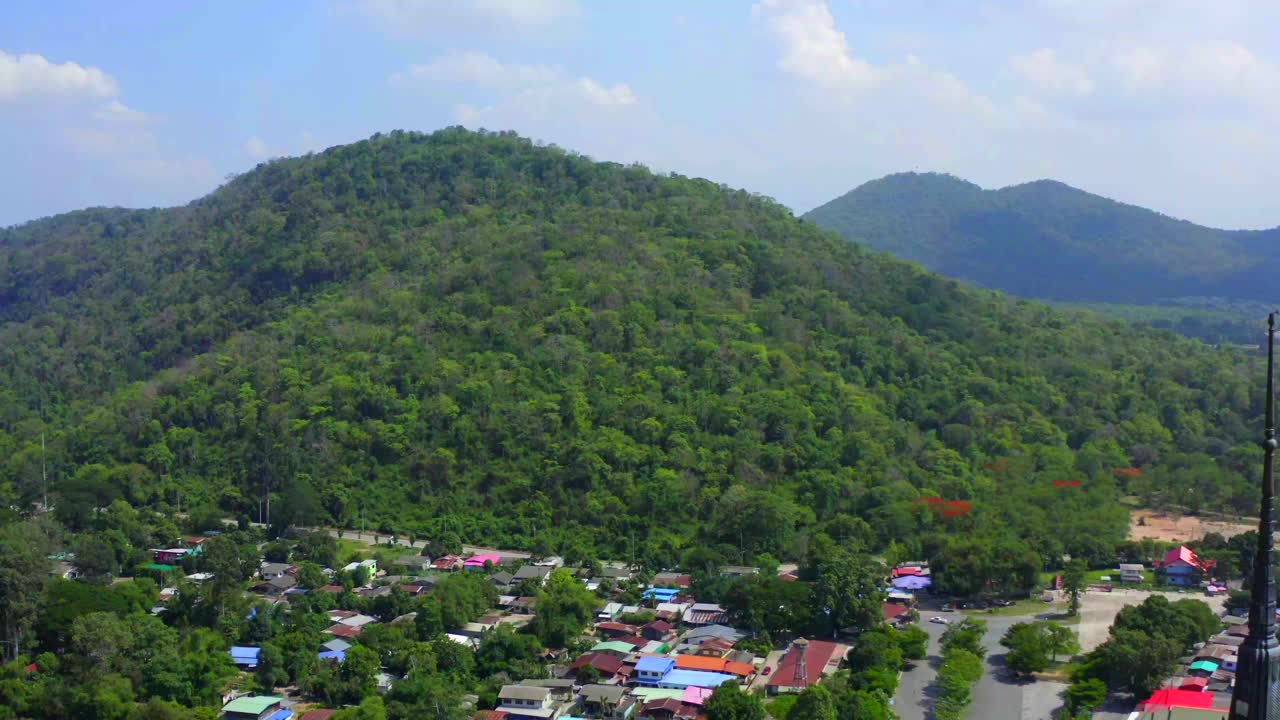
x=1132, y=573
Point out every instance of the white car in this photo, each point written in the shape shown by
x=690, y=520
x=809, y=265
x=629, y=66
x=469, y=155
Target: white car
x=939, y=620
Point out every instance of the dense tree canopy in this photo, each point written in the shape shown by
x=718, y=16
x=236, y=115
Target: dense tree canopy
x=619, y=363
x=1048, y=240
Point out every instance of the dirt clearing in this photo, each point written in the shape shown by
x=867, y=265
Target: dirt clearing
x=1170, y=527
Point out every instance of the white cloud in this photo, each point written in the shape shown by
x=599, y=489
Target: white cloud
x=812, y=48
x=1140, y=66
x=114, y=111
x=619, y=95
x=1050, y=75
x=137, y=157
x=441, y=17
x=28, y=77
x=1201, y=72
x=479, y=69
x=256, y=148
x=528, y=87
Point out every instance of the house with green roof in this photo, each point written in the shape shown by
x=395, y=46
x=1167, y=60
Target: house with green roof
x=251, y=707
x=617, y=648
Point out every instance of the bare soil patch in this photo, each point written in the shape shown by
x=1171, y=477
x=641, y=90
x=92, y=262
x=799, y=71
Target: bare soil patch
x=1173, y=527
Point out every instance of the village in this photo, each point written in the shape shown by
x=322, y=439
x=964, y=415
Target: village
x=653, y=649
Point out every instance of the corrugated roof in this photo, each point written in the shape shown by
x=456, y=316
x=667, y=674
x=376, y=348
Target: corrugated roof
x=614, y=646
x=602, y=693
x=817, y=656
x=686, y=678
x=607, y=664
x=654, y=664
x=698, y=662
x=251, y=704
x=524, y=692
x=1172, y=697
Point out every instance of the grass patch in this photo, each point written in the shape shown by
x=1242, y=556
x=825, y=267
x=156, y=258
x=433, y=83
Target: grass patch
x=780, y=707
x=350, y=550
x=1027, y=606
x=1058, y=672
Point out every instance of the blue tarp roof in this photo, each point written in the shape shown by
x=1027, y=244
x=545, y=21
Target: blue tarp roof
x=280, y=715
x=338, y=655
x=654, y=664
x=694, y=678
x=242, y=654
x=663, y=594
x=912, y=582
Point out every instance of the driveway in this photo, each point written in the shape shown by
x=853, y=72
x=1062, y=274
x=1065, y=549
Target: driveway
x=760, y=681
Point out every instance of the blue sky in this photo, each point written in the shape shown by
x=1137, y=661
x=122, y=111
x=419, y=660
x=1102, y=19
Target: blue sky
x=1170, y=104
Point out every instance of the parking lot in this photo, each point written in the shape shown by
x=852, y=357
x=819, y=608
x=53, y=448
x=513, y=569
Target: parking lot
x=997, y=696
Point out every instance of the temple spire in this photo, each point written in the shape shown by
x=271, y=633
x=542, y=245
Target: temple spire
x=1255, y=695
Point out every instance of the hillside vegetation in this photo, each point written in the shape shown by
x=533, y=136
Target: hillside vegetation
x=468, y=335
x=1051, y=241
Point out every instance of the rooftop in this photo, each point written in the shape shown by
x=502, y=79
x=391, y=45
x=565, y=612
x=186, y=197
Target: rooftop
x=524, y=692
x=687, y=678
x=818, y=654
x=251, y=704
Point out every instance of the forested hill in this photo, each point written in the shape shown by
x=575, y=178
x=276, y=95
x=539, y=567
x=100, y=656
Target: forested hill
x=467, y=334
x=1048, y=240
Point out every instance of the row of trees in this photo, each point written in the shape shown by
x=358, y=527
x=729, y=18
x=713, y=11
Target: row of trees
x=962, y=655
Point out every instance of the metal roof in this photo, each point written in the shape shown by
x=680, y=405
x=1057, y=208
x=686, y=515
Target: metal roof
x=524, y=692
x=252, y=704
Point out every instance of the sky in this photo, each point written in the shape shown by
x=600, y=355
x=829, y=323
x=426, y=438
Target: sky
x=1168, y=104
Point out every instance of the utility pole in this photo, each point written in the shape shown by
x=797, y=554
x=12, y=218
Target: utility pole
x=44, y=473
x=1254, y=696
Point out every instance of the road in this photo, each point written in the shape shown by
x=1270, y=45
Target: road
x=997, y=696
x=916, y=693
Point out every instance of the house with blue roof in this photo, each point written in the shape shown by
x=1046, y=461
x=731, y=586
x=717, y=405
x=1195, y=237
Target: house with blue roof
x=651, y=670
x=660, y=594
x=680, y=679
x=245, y=656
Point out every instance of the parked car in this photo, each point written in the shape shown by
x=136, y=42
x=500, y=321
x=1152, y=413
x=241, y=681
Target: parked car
x=939, y=620
x=767, y=669
x=1001, y=602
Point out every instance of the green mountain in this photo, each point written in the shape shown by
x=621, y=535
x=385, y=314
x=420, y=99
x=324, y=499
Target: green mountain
x=468, y=334
x=1051, y=241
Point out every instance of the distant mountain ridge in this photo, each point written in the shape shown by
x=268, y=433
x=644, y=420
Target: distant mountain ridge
x=1048, y=240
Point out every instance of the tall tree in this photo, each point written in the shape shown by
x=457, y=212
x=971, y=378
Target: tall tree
x=847, y=592
x=729, y=702
x=1073, y=583
x=24, y=571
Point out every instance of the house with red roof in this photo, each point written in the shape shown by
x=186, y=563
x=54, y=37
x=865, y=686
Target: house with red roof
x=895, y=613
x=448, y=563
x=804, y=664
x=1181, y=566
x=1175, y=698
x=667, y=709
x=607, y=665
x=344, y=631
x=617, y=629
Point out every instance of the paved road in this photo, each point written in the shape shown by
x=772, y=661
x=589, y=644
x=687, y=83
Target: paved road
x=761, y=681
x=916, y=693
x=997, y=696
